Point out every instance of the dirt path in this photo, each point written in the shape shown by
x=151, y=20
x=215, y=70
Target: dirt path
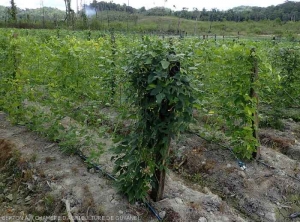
x=259, y=193
x=42, y=179
x=52, y=178
x=37, y=180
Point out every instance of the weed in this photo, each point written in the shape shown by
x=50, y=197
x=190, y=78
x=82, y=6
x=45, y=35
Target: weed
x=297, y=131
x=100, y=210
x=293, y=203
x=196, y=163
x=27, y=175
x=49, y=159
x=278, y=143
x=271, y=121
x=171, y=216
x=41, y=173
x=197, y=178
x=33, y=157
x=49, y=201
x=6, y=151
x=75, y=169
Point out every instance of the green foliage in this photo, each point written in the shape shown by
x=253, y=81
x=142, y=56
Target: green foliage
x=110, y=16
x=99, y=84
x=288, y=60
x=272, y=121
x=163, y=98
x=13, y=11
x=62, y=77
x=225, y=72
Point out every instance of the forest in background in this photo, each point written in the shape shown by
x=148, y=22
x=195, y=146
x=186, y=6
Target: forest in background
x=279, y=20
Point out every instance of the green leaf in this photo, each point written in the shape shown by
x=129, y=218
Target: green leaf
x=153, y=54
x=151, y=86
x=151, y=78
x=148, y=61
x=165, y=64
x=156, y=91
x=160, y=97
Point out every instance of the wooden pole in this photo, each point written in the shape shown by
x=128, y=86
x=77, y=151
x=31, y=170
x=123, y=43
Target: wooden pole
x=254, y=96
x=160, y=176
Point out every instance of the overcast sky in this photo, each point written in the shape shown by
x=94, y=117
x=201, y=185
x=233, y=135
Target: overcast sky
x=208, y=4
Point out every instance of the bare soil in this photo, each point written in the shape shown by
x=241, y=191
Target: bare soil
x=268, y=190
x=37, y=179
x=205, y=182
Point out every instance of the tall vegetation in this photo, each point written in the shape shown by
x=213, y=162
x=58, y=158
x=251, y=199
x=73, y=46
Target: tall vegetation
x=69, y=12
x=278, y=20
x=13, y=11
x=101, y=81
x=163, y=98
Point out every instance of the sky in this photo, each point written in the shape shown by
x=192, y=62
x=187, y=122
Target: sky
x=179, y=4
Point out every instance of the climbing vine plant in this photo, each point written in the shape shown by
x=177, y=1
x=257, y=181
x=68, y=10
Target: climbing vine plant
x=163, y=98
x=287, y=60
x=229, y=102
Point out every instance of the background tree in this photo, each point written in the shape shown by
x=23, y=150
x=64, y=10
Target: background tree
x=13, y=11
x=68, y=11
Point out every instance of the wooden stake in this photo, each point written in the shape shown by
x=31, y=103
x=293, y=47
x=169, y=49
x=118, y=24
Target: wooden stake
x=253, y=95
x=158, y=191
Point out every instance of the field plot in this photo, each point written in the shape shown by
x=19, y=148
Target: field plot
x=222, y=116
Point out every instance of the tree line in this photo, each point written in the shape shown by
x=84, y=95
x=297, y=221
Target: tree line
x=288, y=11
x=100, y=15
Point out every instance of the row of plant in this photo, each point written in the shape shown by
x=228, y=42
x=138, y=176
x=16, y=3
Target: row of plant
x=159, y=83
x=68, y=76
